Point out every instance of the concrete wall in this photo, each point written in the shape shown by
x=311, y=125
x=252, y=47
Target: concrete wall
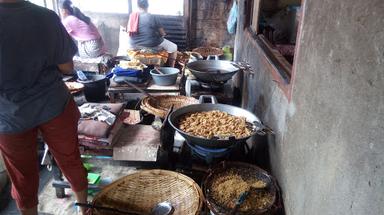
x=327, y=153
x=109, y=28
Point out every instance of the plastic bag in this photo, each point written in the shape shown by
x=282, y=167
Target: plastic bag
x=232, y=19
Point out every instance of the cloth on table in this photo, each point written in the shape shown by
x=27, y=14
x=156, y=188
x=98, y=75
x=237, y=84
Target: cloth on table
x=97, y=119
x=97, y=64
x=93, y=143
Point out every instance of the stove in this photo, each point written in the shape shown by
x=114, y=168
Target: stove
x=209, y=156
x=222, y=91
x=194, y=154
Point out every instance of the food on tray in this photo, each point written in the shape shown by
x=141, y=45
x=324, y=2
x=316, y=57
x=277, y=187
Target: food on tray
x=225, y=191
x=214, y=123
x=206, y=51
x=133, y=64
x=74, y=87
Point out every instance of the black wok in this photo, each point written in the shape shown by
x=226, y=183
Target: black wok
x=213, y=71
x=257, y=126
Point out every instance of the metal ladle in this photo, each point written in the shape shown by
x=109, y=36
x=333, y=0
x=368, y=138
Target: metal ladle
x=162, y=208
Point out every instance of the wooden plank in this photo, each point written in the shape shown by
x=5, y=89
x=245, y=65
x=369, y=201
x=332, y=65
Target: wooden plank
x=255, y=16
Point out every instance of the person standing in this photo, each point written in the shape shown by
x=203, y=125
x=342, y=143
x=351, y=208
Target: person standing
x=81, y=28
x=145, y=30
x=35, y=51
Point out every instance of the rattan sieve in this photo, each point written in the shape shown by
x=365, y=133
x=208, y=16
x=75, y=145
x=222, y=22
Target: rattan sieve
x=164, y=103
x=142, y=190
x=206, y=51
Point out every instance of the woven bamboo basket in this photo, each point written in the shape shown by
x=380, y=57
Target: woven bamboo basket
x=206, y=51
x=164, y=103
x=222, y=172
x=141, y=191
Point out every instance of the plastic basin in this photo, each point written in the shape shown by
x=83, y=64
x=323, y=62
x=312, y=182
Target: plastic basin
x=168, y=78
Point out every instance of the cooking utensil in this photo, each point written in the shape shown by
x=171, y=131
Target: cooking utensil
x=243, y=196
x=239, y=201
x=141, y=90
x=120, y=211
x=252, y=120
x=162, y=208
x=213, y=71
x=158, y=70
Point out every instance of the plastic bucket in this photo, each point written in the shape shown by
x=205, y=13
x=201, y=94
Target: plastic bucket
x=95, y=87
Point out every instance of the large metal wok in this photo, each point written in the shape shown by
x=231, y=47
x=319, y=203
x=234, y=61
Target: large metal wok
x=213, y=71
x=254, y=122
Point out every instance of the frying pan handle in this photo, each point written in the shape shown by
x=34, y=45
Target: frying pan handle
x=263, y=129
x=211, y=97
x=212, y=57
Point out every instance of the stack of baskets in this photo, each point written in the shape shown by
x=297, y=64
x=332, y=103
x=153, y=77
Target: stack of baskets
x=161, y=106
x=143, y=190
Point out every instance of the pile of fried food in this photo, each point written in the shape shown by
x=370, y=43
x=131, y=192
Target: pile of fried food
x=226, y=190
x=133, y=64
x=214, y=123
x=149, y=57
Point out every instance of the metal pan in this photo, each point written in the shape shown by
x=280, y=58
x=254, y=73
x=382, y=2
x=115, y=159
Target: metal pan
x=213, y=71
x=257, y=126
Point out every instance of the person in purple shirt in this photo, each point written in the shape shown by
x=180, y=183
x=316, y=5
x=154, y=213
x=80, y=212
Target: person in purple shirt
x=35, y=51
x=80, y=27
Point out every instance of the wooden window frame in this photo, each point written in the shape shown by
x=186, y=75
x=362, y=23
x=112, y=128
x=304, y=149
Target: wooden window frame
x=283, y=73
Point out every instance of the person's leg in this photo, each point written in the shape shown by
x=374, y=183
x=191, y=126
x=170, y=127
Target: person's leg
x=171, y=48
x=60, y=135
x=21, y=161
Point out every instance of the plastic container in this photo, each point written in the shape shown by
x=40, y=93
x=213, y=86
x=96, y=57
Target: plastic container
x=168, y=78
x=95, y=87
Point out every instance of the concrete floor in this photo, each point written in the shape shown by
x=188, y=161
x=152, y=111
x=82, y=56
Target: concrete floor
x=49, y=204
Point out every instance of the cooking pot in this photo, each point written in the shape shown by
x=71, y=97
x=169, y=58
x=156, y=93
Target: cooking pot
x=255, y=124
x=213, y=71
x=95, y=87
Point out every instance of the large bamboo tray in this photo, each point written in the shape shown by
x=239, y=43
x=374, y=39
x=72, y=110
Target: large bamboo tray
x=142, y=190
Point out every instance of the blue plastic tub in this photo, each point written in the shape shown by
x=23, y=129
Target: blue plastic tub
x=168, y=78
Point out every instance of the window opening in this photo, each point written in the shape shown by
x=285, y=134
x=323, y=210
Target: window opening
x=276, y=23
x=173, y=8
x=103, y=6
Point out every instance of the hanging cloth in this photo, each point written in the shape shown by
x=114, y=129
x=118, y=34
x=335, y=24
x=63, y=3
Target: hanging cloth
x=232, y=19
x=133, y=24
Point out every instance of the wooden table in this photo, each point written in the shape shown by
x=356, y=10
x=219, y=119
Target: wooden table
x=115, y=90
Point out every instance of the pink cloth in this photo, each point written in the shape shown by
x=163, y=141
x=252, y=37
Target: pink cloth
x=80, y=30
x=133, y=23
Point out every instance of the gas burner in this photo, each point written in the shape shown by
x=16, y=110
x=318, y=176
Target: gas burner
x=223, y=92
x=212, y=86
x=209, y=155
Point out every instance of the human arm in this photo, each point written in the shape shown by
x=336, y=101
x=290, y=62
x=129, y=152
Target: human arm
x=162, y=32
x=66, y=68
x=64, y=50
